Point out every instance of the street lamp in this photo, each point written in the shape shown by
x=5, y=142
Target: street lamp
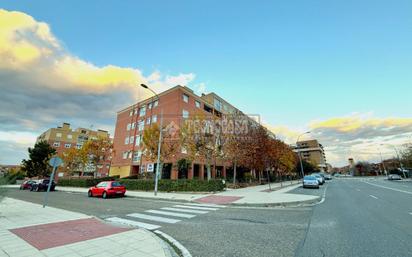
x=300, y=157
x=160, y=141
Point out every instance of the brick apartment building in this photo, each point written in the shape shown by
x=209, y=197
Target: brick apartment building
x=178, y=103
x=63, y=138
x=312, y=151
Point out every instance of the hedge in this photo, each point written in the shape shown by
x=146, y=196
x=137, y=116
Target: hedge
x=181, y=185
x=165, y=185
x=83, y=182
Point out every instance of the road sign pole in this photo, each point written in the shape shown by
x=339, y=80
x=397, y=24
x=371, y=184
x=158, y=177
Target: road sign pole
x=54, y=162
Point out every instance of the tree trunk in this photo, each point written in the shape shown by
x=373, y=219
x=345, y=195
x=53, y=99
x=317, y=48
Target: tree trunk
x=208, y=170
x=234, y=173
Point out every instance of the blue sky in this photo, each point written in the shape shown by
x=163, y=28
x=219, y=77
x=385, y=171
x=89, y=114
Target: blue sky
x=295, y=63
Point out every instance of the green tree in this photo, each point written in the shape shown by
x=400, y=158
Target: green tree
x=39, y=156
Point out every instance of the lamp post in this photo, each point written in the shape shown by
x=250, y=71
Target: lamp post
x=160, y=141
x=300, y=157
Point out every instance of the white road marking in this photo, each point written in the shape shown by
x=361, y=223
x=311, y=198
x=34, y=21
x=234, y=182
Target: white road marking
x=133, y=223
x=206, y=205
x=184, y=210
x=197, y=208
x=390, y=188
x=153, y=218
x=173, y=214
x=373, y=196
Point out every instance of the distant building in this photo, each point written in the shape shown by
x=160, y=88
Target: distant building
x=63, y=138
x=312, y=151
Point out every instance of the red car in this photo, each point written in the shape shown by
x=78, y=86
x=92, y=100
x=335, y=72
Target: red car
x=106, y=189
x=27, y=184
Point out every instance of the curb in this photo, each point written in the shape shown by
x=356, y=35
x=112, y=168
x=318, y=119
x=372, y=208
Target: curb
x=280, y=204
x=182, y=249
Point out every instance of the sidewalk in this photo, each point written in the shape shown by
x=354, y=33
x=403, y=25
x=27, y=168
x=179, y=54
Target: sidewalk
x=27, y=229
x=258, y=196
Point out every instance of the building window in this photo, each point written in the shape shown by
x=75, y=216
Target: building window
x=142, y=111
x=185, y=98
x=131, y=140
x=131, y=113
x=149, y=106
x=67, y=145
x=128, y=126
x=185, y=114
x=126, y=141
x=137, y=155
x=58, y=134
x=197, y=103
x=129, y=155
x=218, y=105
x=124, y=155
x=56, y=144
x=154, y=118
x=138, y=140
x=184, y=150
x=69, y=136
x=148, y=120
x=156, y=103
x=133, y=126
x=141, y=125
x=135, y=111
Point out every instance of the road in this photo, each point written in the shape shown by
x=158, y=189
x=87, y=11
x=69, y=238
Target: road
x=359, y=217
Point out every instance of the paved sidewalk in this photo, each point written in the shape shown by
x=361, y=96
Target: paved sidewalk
x=27, y=229
x=249, y=196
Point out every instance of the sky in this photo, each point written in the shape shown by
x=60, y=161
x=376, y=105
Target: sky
x=341, y=69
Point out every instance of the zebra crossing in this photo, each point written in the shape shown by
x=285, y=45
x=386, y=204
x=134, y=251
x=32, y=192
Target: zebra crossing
x=153, y=219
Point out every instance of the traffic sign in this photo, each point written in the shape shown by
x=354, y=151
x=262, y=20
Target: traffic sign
x=55, y=162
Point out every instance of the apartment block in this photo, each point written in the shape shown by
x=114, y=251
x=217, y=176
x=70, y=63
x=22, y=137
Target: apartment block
x=312, y=151
x=64, y=137
x=178, y=104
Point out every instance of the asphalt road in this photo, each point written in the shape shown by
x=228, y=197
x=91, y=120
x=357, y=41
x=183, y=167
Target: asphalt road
x=357, y=218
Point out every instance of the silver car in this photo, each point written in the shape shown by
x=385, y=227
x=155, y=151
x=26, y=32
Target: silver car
x=310, y=181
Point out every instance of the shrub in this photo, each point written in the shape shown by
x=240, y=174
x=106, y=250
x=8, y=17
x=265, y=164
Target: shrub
x=84, y=182
x=182, y=185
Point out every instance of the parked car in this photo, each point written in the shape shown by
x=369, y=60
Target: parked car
x=319, y=178
x=42, y=185
x=328, y=177
x=27, y=184
x=310, y=181
x=394, y=177
x=106, y=189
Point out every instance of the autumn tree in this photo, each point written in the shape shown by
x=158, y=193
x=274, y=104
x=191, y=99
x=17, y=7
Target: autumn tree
x=97, y=151
x=235, y=133
x=39, y=156
x=169, y=145
x=202, y=137
x=75, y=159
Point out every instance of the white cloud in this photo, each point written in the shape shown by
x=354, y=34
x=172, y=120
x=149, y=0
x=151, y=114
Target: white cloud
x=357, y=136
x=42, y=84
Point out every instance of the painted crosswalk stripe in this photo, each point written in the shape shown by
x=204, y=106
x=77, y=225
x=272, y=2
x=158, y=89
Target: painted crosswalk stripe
x=183, y=210
x=133, y=223
x=206, y=205
x=173, y=214
x=153, y=218
x=197, y=208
